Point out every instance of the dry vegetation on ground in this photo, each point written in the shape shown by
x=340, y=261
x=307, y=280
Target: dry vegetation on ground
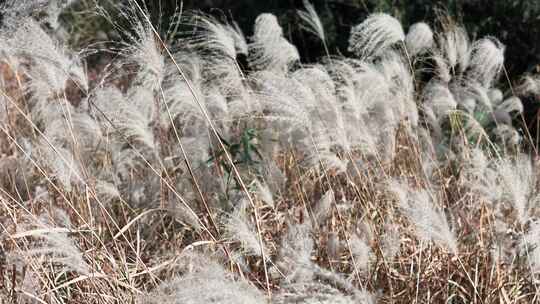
x=171, y=175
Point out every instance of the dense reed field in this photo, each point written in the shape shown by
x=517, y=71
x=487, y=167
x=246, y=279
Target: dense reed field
x=196, y=165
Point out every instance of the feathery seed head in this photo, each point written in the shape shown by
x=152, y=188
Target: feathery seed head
x=495, y=96
x=511, y=105
x=454, y=47
x=420, y=208
x=419, y=39
x=313, y=23
x=487, y=61
x=267, y=28
x=530, y=85
x=439, y=98
x=375, y=35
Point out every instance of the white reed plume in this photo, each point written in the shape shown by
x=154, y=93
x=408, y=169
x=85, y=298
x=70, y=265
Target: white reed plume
x=87, y=131
x=269, y=49
x=48, y=10
x=218, y=44
x=264, y=193
x=137, y=116
x=318, y=149
x=375, y=35
x=142, y=50
x=476, y=91
x=391, y=241
x=50, y=64
x=239, y=38
x=320, y=293
x=421, y=209
x=507, y=135
x=495, y=96
x=398, y=77
x=203, y=281
x=239, y=227
x=438, y=97
x=312, y=22
x=479, y=176
x=295, y=254
x=53, y=242
x=487, y=61
x=530, y=85
x=267, y=28
x=511, y=105
x=280, y=97
x=419, y=39
x=454, y=47
x=361, y=252
x=106, y=191
x=323, y=208
x=62, y=164
x=213, y=36
x=523, y=194
x=530, y=244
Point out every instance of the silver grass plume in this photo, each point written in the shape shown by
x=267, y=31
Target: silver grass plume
x=401, y=85
x=507, y=136
x=53, y=242
x=390, y=241
x=481, y=177
x=319, y=153
x=142, y=50
x=375, y=35
x=52, y=65
x=131, y=115
x=454, y=47
x=203, y=281
x=267, y=28
x=530, y=85
x=487, y=61
x=438, y=97
x=421, y=209
x=269, y=49
x=305, y=282
x=312, y=22
x=178, y=96
x=13, y=10
x=294, y=259
x=264, y=193
x=279, y=96
x=239, y=39
x=361, y=253
x=530, y=245
x=326, y=109
x=323, y=208
x=218, y=44
x=356, y=101
x=137, y=116
x=87, y=131
x=523, y=194
x=419, y=39
x=319, y=293
x=496, y=96
x=443, y=71
x=106, y=191
x=511, y=105
x=179, y=210
x=475, y=91
x=61, y=164
x=213, y=36
x=239, y=227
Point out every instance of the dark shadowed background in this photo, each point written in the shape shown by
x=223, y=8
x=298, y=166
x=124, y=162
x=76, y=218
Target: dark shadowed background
x=515, y=22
